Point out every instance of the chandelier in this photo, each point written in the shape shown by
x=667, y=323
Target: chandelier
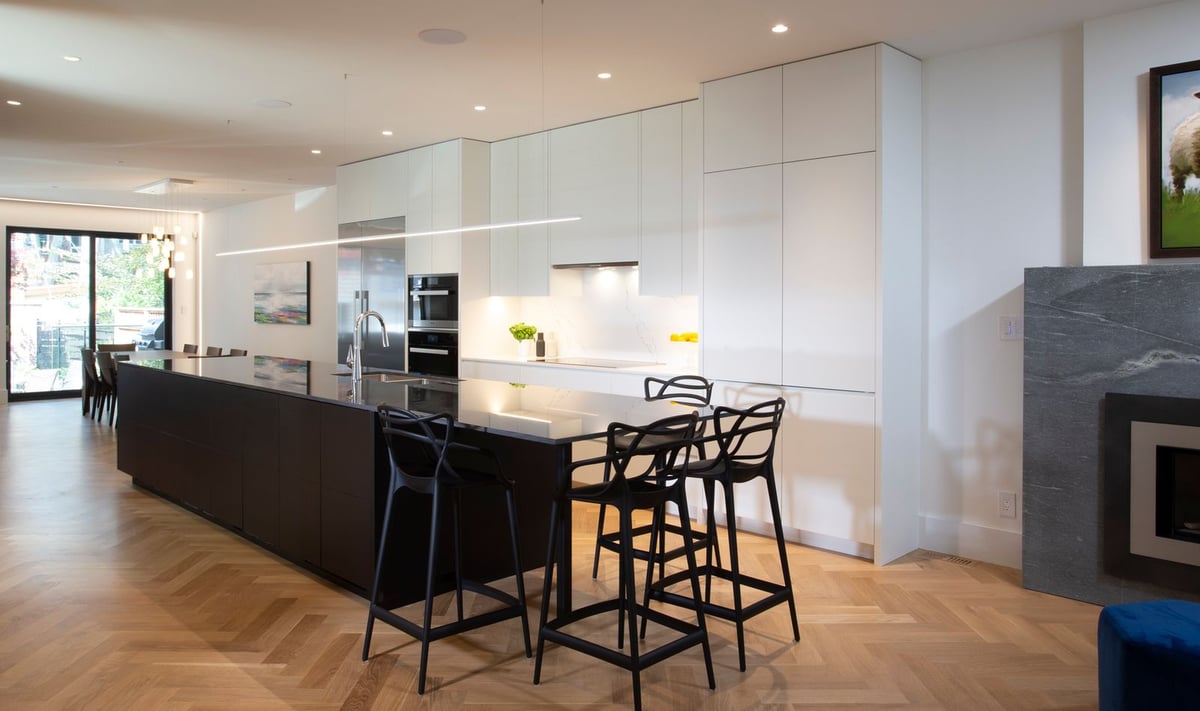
x=167, y=248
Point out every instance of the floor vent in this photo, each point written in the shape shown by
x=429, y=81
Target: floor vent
x=958, y=561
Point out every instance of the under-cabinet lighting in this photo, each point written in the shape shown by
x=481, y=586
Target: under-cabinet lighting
x=529, y=418
x=397, y=235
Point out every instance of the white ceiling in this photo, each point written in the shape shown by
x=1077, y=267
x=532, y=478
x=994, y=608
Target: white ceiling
x=167, y=88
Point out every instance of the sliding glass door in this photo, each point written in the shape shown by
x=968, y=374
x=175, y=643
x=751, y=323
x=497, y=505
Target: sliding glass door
x=68, y=291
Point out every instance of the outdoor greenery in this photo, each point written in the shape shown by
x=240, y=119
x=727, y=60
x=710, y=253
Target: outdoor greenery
x=118, y=283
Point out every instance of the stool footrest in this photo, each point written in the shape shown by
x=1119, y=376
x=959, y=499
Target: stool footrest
x=511, y=609
x=612, y=541
x=692, y=636
x=777, y=593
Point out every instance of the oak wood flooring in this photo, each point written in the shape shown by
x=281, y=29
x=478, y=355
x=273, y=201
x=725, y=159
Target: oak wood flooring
x=111, y=598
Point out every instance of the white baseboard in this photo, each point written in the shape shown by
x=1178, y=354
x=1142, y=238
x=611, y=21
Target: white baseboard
x=953, y=537
x=792, y=535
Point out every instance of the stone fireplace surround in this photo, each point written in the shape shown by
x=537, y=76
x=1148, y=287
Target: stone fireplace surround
x=1091, y=331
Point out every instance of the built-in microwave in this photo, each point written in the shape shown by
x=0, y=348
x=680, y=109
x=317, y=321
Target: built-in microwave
x=433, y=301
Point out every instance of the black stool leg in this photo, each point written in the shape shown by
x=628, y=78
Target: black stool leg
x=783, y=561
x=599, y=533
x=520, y=574
x=656, y=526
x=689, y=549
x=432, y=568
x=387, y=519
x=547, y=580
x=458, y=577
x=735, y=570
x=710, y=496
x=629, y=603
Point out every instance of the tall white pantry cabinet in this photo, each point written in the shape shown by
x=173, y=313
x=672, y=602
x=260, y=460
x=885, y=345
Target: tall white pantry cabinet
x=811, y=285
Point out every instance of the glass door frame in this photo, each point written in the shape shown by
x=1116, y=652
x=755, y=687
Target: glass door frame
x=91, y=237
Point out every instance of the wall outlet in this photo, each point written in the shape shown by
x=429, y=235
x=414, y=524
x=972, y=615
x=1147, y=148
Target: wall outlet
x=1012, y=328
x=1008, y=504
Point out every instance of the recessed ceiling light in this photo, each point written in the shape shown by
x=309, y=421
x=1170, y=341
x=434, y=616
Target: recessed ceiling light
x=272, y=104
x=480, y=107
x=386, y=133
x=13, y=102
x=442, y=36
x=604, y=75
x=71, y=58
x=316, y=151
x=779, y=29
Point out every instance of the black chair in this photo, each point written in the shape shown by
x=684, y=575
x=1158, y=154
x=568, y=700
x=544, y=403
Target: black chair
x=747, y=446
x=114, y=347
x=689, y=389
x=91, y=380
x=191, y=348
x=635, y=461
x=425, y=460
x=212, y=351
x=237, y=352
x=106, y=366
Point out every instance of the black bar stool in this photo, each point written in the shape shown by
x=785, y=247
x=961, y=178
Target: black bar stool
x=426, y=460
x=747, y=446
x=644, y=467
x=689, y=389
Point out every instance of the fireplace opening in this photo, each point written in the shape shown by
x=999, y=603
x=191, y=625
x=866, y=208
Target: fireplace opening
x=1177, y=509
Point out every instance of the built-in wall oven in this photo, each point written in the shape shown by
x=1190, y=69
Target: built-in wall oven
x=433, y=301
x=433, y=353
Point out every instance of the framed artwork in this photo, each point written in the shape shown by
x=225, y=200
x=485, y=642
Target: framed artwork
x=281, y=293
x=1174, y=154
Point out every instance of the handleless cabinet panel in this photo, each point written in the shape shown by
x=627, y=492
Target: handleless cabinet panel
x=660, y=268
x=354, y=188
x=691, y=177
x=505, y=277
x=829, y=259
x=741, y=310
x=829, y=105
x=594, y=175
x=388, y=185
x=533, y=203
x=743, y=120
x=446, y=207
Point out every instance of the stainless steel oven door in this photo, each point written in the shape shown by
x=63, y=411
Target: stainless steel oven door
x=433, y=353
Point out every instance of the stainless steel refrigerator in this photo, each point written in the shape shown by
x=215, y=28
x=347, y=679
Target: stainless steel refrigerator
x=373, y=277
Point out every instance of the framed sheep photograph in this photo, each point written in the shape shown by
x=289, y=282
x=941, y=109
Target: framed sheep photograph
x=1174, y=155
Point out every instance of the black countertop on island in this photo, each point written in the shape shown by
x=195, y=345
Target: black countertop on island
x=538, y=413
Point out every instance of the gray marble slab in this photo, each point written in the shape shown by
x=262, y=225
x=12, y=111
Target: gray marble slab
x=1088, y=331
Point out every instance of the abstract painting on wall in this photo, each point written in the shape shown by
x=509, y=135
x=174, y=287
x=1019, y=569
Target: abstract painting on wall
x=281, y=293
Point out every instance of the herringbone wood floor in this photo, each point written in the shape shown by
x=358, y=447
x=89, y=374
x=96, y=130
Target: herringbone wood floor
x=113, y=599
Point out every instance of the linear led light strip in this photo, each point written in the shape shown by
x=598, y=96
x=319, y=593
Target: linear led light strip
x=376, y=238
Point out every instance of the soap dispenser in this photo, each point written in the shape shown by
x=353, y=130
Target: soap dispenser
x=540, y=348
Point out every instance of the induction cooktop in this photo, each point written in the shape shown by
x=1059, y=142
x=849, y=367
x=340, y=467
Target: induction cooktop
x=600, y=362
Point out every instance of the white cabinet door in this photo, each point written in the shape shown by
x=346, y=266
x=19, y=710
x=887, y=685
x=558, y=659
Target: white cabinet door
x=594, y=174
x=660, y=268
x=418, y=251
x=826, y=465
x=743, y=120
x=446, y=206
x=505, y=276
x=388, y=185
x=354, y=186
x=829, y=105
x=533, y=203
x=829, y=273
x=742, y=277
x=690, y=187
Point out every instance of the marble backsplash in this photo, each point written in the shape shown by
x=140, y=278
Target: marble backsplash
x=1089, y=331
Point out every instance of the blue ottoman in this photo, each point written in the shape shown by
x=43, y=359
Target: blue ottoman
x=1149, y=656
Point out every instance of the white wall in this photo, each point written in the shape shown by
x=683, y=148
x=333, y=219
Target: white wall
x=85, y=218
x=1003, y=139
x=227, y=289
x=1118, y=52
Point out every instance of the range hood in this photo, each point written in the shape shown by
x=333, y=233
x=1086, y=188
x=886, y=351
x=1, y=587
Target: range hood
x=595, y=265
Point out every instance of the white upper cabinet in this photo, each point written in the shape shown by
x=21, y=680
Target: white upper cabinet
x=691, y=177
x=741, y=310
x=505, y=275
x=660, y=268
x=829, y=105
x=743, y=120
x=434, y=202
x=533, y=203
x=594, y=174
x=388, y=188
x=419, y=217
x=829, y=273
x=354, y=187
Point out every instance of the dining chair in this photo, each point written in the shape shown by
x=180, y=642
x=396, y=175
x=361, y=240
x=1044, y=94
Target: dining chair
x=113, y=347
x=636, y=458
x=746, y=439
x=191, y=348
x=425, y=460
x=688, y=389
x=91, y=380
x=212, y=350
x=107, y=367
x=237, y=352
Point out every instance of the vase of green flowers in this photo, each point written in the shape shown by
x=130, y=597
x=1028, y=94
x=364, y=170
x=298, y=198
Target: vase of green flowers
x=524, y=334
